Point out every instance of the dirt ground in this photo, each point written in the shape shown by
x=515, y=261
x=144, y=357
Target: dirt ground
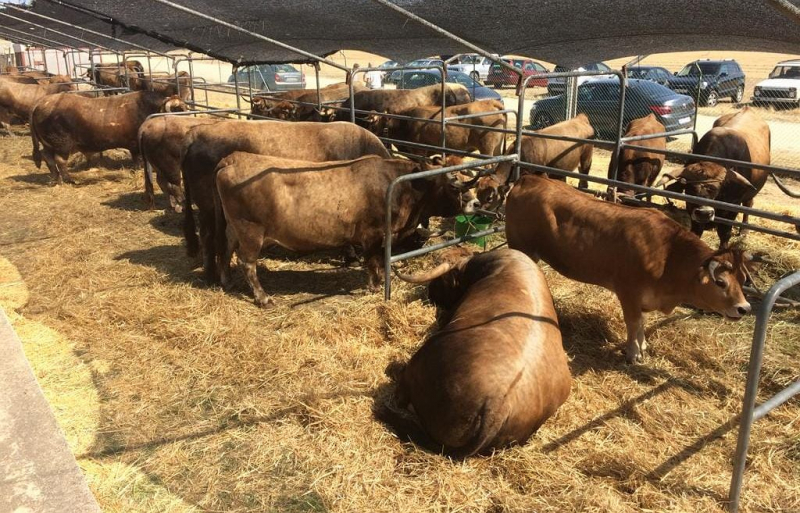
x=179, y=397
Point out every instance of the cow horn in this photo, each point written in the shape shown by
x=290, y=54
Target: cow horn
x=736, y=177
x=427, y=276
x=712, y=269
x=666, y=178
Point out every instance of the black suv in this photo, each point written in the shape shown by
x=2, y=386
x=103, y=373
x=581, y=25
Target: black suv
x=717, y=79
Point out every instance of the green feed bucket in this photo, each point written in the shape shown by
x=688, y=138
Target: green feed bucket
x=466, y=225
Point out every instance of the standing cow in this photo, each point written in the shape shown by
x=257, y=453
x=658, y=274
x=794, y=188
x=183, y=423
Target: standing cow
x=495, y=371
x=206, y=145
x=740, y=136
x=641, y=167
x=68, y=123
x=17, y=100
x=472, y=138
x=308, y=206
x=565, y=155
x=161, y=141
x=648, y=260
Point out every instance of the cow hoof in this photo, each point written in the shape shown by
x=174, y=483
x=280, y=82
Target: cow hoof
x=265, y=303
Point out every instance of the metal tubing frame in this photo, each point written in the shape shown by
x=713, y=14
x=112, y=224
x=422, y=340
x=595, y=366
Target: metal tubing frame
x=751, y=413
x=388, y=260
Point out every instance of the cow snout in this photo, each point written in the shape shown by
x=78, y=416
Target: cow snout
x=738, y=311
x=471, y=206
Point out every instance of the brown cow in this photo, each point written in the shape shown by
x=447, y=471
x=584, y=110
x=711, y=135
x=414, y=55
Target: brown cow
x=563, y=155
x=648, y=260
x=206, y=145
x=395, y=101
x=70, y=123
x=457, y=137
x=496, y=370
x=636, y=166
x=160, y=144
x=308, y=206
x=165, y=85
x=17, y=100
x=116, y=75
x=277, y=105
x=741, y=136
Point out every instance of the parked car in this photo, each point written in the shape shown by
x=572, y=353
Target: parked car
x=394, y=77
x=422, y=78
x=556, y=86
x=782, y=86
x=500, y=76
x=655, y=74
x=717, y=79
x=270, y=77
x=387, y=67
x=599, y=99
x=474, y=65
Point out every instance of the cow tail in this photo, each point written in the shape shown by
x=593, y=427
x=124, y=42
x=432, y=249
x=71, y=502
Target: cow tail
x=148, y=172
x=37, y=153
x=220, y=227
x=189, y=228
x=783, y=187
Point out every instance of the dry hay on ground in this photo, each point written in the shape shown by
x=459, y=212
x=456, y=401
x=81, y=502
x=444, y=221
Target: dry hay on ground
x=204, y=402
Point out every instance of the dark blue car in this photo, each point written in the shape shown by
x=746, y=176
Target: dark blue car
x=599, y=100
x=422, y=78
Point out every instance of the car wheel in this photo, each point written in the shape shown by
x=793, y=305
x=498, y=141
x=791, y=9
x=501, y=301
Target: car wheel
x=739, y=96
x=712, y=99
x=497, y=85
x=475, y=76
x=542, y=120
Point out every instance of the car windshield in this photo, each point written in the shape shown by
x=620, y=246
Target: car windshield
x=470, y=59
x=691, y=69
x=412, y=80
x=460, y=78
x=638, y=72
x=285, y=68
x=388, y=64
x=785, y=72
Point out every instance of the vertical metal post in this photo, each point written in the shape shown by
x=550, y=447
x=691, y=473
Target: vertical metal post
x=191, y=81
x=571, y=97
x=697, y=97
x=444, y=105
x=236, y=88
x=520, y=119
x=66, y=65
x=751, y=388
x=623, y=85
x=352, y=96
x=319, y=95
x=44, y=60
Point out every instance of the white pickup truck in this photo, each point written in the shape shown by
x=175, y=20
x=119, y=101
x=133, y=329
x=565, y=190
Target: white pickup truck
x=782, y=86
x=474, y=65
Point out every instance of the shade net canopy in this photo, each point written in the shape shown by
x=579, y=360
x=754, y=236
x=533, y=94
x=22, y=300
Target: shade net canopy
x=567, y=32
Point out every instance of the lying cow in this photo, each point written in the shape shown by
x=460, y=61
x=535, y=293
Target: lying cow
x=279, y=106
x=648, y=260
x=69, y=123
x=307, y=206
x=160, y=144
x=740, y=136
x=206, y=145
x=165, y=85
x=471, y=138
x=565, y=155
x=395, y=101
x=17, y=100
x=496, y=370
x=636, y=166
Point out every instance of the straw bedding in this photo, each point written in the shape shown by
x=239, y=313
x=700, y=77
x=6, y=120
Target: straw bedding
x=186, y=398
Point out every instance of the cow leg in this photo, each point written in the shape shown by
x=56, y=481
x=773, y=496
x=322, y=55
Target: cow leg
x=586, y=164
x=634, y=322
x=57, y=166
x=250, y=239
x=725, y=231
x=136, y=162
x=746, y=217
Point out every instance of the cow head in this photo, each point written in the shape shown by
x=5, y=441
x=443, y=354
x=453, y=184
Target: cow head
x=446, y=284
x=492, y=189
x=704, y=180
x=283, y=110
x=376, y=123
x=324, y=115
x=719, y=283
x=174, y=104
x=446, y=194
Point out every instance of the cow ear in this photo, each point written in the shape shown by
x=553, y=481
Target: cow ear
x=437, y=160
